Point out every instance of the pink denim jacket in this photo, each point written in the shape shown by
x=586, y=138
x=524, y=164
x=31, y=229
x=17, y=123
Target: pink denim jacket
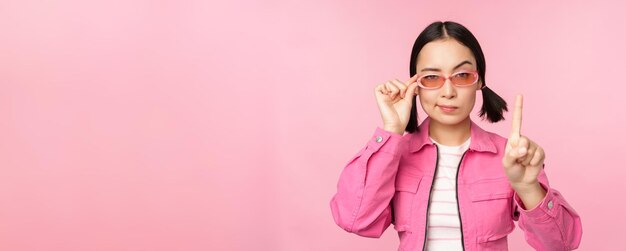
x=389, y=182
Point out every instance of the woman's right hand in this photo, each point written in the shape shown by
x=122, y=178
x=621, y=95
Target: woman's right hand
x=394, y=100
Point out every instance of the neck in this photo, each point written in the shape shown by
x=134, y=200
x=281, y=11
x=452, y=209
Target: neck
x=450, y=135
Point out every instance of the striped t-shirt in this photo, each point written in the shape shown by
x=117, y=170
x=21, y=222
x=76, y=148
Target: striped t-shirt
x=444, y=228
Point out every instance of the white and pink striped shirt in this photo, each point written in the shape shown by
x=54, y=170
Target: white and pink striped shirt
x=444, y=229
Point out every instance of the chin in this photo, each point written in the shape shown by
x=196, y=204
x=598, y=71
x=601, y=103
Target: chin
x=449, y=119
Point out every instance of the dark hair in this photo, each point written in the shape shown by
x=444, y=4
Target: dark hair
x=493, y=105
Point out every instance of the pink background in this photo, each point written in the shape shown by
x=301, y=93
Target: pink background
x=187, y=125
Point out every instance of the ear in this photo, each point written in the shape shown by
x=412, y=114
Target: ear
x=479, y=86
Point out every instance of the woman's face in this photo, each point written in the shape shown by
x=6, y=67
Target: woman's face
x=446, y=57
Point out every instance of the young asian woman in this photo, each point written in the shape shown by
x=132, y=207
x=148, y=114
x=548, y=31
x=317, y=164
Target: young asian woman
x=447, y=184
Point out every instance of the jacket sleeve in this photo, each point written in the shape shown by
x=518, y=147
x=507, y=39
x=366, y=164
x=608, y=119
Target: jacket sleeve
x=553, y=224
x=367, y=184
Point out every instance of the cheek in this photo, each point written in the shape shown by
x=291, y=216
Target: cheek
x=469, y=101
x=428, y=95
x=427, y=99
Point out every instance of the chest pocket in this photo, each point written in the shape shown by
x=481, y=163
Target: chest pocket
x=406, y=184
x=491, y=201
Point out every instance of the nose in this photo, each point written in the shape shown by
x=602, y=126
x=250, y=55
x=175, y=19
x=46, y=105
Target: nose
x=448, y=90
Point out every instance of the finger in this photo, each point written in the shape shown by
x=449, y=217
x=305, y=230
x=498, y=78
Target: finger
x=516, y=127
x=412, y=79
x=410, y=91
x=522, y=148
x=538, y=158
x=510, y=157
x=394, y=90
x=400, y=86
x=380, y=89
x=531, y=154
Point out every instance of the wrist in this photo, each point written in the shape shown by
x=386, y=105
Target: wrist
x=530, y=196
x=393, y=129
x=527, y=188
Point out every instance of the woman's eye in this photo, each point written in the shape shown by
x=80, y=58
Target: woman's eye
x=462, y=75
x=431, y=77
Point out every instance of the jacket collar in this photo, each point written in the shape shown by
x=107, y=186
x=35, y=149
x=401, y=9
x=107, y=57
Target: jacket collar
x=480, y=139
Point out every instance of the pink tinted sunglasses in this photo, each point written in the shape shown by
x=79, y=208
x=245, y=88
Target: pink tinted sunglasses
x=459, y=79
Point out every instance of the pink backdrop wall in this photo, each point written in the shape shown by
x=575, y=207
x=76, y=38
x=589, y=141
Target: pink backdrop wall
x=187, y=125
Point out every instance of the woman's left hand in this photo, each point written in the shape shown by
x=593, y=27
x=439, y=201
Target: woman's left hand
x=523, y=158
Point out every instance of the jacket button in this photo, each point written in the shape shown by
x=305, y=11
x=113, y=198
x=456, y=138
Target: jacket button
x=550, y=204
x=379, y=139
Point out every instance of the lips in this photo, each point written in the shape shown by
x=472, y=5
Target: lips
x=446, y=108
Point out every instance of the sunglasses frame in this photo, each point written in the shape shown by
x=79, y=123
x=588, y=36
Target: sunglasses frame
x=445, y=78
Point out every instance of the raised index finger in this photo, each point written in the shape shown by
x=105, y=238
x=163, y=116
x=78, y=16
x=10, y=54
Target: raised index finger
x=412, y=79
x=517, y=117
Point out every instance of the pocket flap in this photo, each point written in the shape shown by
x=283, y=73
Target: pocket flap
x=407, y=182
x=491, y=190
x=496, y=236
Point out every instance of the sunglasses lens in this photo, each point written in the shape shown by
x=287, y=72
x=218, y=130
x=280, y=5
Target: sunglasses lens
x=464, y=78
x=432, y=81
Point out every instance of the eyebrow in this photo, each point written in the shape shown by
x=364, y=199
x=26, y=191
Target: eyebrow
x=457, y=66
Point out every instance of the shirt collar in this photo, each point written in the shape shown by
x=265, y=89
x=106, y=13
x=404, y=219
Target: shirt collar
x=481, y=140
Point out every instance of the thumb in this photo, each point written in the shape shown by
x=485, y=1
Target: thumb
x=514, y=151
x=410, y=91
x=510, y=157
